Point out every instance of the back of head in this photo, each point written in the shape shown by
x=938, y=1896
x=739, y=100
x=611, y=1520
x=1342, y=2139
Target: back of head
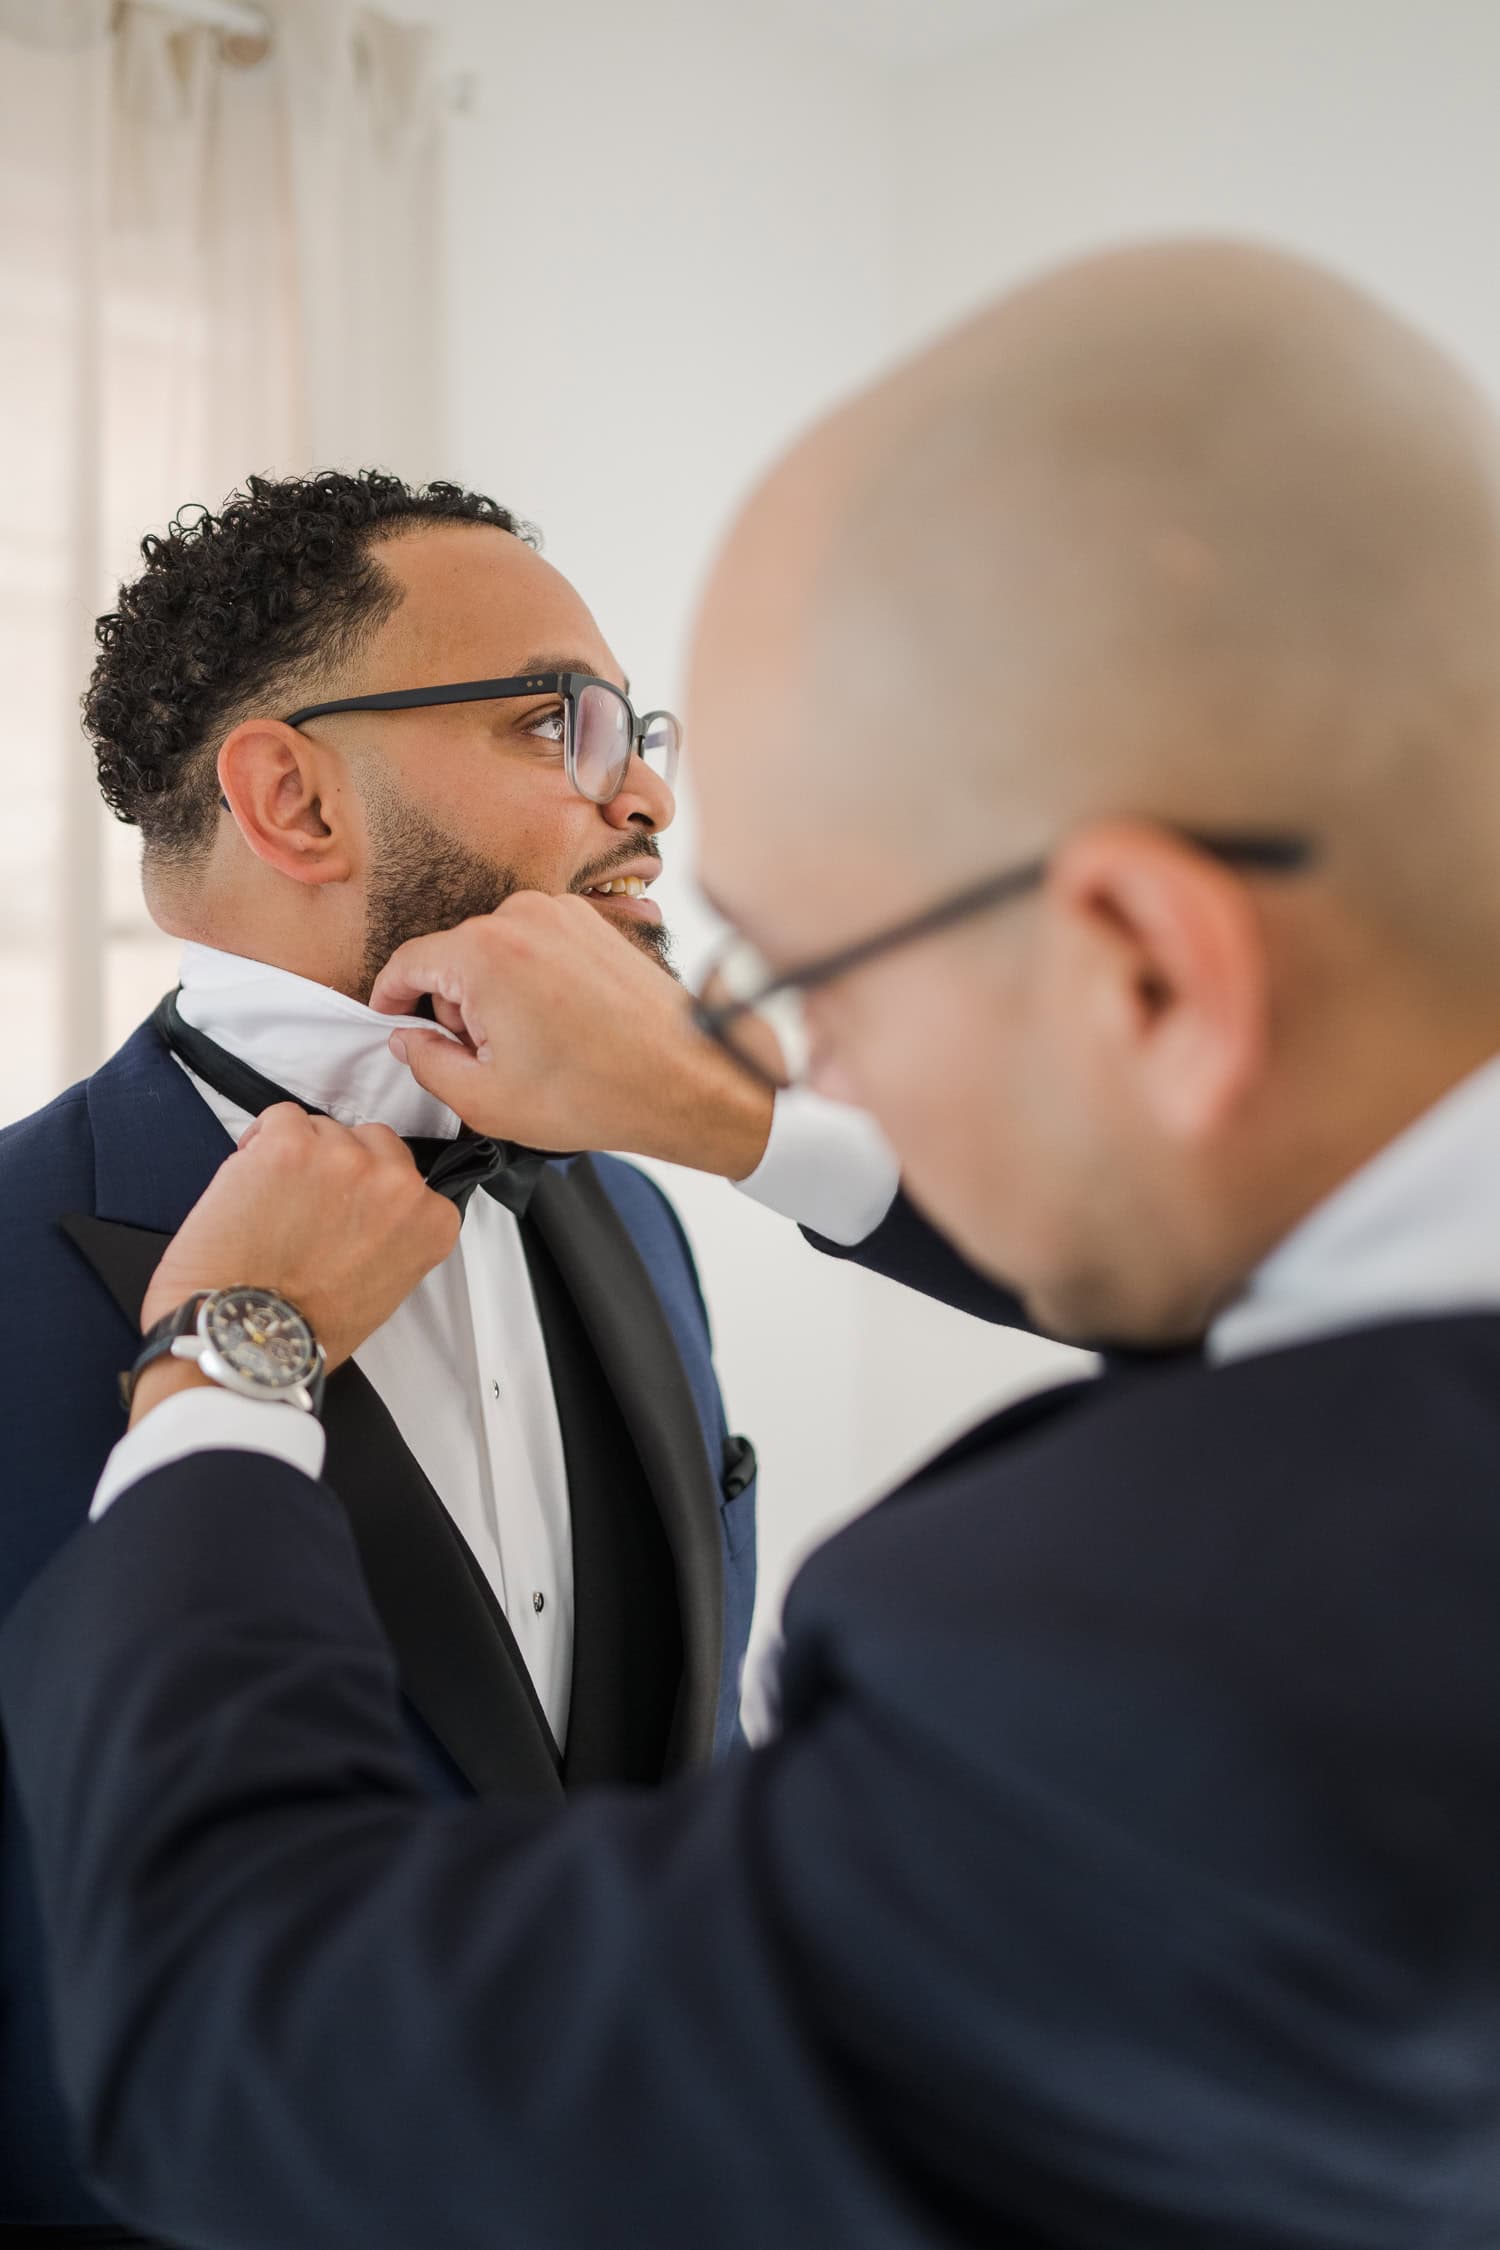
x=236, y=612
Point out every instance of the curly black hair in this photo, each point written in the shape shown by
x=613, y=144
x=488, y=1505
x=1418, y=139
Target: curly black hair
x=233, y=611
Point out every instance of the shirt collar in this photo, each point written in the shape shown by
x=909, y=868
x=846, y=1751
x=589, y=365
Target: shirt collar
x=319, y=1044
x=1414, y=1231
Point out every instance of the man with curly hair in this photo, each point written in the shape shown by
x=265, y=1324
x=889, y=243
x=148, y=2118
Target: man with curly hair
x=345, y=712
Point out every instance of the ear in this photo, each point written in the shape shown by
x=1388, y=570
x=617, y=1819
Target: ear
x=1176, y=978
x=290, y=799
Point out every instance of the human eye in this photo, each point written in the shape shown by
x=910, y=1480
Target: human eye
x=545, y=726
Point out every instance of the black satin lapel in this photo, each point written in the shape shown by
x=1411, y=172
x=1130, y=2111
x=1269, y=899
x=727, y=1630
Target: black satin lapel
x=124, y=1257
x=459, y=1664
x=622, y=1314
x=457, y=1657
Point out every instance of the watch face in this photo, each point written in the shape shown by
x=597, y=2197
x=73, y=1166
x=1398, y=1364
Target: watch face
x=261, y=1337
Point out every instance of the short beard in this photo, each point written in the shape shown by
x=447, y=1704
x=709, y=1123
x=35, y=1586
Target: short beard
x=423, y=880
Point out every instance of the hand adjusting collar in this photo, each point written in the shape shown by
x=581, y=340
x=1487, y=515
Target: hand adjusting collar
x=504, y=1169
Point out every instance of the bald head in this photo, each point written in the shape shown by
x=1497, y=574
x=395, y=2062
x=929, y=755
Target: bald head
x=1188, y=537
x=1195, y=532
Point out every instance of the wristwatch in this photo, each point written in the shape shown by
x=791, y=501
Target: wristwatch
x=251, y=1340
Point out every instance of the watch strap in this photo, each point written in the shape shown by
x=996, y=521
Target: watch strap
x=158, y=1341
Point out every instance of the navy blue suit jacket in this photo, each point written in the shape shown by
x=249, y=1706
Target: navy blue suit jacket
x=89, y=1189
x=1127, y=1874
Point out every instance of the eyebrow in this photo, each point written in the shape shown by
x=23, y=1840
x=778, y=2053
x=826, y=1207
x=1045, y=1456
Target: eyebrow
x=562, y=664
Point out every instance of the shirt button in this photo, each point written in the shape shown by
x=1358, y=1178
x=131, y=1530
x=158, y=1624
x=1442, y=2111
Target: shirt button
x=539, y=1603
x=494, y=1388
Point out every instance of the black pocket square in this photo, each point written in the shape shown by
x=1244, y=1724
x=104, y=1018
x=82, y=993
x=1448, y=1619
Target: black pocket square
x=740, y=1466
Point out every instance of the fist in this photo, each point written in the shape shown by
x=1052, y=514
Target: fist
x=337, y=1219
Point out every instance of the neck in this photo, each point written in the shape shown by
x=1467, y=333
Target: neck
x=311, y=931
x=1316, y=1127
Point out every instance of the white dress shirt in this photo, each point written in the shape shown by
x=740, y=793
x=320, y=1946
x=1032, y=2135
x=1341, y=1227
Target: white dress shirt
x=461, y=1366
x=826, y=1166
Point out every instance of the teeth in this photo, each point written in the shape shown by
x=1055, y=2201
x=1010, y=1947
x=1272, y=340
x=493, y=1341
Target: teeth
x=623, y=886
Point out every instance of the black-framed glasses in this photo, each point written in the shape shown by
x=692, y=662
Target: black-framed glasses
x=760, y=1017
x=600, y=729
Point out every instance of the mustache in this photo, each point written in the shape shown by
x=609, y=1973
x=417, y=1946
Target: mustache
x=602, y=869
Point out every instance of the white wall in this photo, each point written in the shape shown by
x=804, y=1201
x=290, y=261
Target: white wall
x=670, y=248
x=1362, y=132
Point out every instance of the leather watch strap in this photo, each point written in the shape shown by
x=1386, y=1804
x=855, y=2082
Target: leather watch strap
x=158, y=1341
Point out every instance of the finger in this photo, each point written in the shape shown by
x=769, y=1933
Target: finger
x=451, y=1072
x=329, y=1129
x=421, y=966
x=282, y=1122
x=385, y=1144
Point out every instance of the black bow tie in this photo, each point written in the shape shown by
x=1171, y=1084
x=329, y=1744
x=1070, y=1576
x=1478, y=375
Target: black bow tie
x=453, y=1168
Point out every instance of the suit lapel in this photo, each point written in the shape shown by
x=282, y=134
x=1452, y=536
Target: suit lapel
x=599, y=1264
x=157, y=1145
x=459, y=1663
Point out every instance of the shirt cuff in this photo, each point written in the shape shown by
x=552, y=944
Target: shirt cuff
x=827, y=1166
x=201, y=1421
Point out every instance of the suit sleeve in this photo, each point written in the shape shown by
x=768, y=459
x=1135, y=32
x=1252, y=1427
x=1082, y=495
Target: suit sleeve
x=831, y=1169
x=299, y=2005
x=908, y=1248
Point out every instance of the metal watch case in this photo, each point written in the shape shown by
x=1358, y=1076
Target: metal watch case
x=255, y=1343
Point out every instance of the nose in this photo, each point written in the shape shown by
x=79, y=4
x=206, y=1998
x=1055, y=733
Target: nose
x=644, y=802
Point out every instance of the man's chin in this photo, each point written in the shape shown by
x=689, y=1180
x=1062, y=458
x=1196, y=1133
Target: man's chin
x=645, y=931
x=655, y=940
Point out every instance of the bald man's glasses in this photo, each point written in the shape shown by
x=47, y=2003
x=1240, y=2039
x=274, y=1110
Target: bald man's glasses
x=760, y=1018
x=597, y=724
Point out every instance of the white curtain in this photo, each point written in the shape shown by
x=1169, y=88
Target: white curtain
x=219, y=254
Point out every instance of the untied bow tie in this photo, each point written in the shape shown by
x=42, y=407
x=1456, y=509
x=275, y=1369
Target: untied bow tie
x=454, y=1168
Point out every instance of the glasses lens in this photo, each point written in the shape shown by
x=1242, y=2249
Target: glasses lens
x=601, y=742
x=661, y=744
x=768, y=1036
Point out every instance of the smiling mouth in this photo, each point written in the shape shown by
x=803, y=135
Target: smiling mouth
x=624, y=900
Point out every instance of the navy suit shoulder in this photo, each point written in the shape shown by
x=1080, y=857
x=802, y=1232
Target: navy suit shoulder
x=651, y=1216
x=55, y=1322
x=1126, y=1875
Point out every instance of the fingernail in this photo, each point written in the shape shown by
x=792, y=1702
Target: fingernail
x=398, y=1046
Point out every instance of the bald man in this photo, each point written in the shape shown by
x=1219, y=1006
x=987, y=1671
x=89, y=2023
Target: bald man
x=1098, y=727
